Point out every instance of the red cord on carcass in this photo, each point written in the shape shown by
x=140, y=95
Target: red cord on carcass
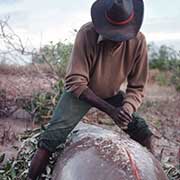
x=133, y=166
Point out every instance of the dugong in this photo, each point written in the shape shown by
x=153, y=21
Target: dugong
x=95, y=153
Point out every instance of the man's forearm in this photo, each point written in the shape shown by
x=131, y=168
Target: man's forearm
x=91, y=98
x=120, y=117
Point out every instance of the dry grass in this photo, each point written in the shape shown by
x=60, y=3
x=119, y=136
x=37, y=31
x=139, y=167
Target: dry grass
x=27, y=70
x=156, y=75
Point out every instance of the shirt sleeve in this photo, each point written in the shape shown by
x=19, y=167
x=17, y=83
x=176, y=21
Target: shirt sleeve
x=137, y=79
x=77, y=75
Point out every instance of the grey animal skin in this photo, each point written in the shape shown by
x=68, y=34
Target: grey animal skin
x=95, y=153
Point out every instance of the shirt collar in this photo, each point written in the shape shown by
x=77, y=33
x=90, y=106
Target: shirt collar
x=100, y=39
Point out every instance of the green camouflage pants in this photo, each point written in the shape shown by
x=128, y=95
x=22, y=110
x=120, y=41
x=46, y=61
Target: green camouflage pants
x=70, y=110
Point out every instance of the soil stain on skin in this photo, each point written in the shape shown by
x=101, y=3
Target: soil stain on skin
x=100, y=154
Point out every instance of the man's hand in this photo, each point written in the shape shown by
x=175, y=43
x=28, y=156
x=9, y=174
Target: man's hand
x=120, y=117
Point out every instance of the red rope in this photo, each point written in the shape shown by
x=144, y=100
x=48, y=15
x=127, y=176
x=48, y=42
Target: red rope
x=133, y=166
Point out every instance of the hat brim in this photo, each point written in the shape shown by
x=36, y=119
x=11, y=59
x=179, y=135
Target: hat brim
x=117, y=32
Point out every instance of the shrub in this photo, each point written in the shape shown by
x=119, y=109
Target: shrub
x=41, y=105
x=55, y=55
x=176, y=77
x=165, y=59
x=163, y=79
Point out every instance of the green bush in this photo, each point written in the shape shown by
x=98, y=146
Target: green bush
x=165, y=59
x=41, y=105
x=176, y=77
x=55, y=55
x=162, y=79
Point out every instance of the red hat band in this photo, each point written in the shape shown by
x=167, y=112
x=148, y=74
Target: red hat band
x=120, y=22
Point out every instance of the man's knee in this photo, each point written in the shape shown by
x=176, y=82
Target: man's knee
x=51, y=138
x=69, y=111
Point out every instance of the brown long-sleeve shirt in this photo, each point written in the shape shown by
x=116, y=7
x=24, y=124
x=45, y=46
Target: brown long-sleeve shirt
x=103, y=66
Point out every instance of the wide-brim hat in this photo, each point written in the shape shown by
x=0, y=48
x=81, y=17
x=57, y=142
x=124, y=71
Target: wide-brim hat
x=117, y=20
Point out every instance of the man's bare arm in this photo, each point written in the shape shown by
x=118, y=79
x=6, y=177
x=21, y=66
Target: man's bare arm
x=120, y=117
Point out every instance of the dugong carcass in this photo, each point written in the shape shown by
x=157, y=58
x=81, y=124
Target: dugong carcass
x=95, y=153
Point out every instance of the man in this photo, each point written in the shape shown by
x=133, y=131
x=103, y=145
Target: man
x=106, y=53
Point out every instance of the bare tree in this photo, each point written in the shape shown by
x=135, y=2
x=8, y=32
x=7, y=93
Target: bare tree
x=14, y=51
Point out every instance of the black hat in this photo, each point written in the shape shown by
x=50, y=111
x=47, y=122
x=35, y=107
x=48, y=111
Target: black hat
x=117, y=20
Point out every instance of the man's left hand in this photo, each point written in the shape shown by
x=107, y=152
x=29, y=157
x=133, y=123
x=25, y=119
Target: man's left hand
x=125, y=117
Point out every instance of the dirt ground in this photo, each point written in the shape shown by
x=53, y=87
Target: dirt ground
x=161, y=108
x=10, y=129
